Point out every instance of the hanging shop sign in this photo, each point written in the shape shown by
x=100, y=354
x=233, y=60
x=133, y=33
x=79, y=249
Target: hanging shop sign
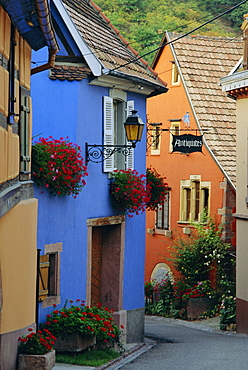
x=187, y=143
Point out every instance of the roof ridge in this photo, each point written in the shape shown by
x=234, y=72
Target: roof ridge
x=195, y=36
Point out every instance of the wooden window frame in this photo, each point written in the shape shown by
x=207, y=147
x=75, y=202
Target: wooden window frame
x=53, y=252
x=175, y=75
x=155, y=140
x=194, y=199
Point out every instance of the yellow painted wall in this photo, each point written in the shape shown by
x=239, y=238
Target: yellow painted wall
x=13, y=154
x=18, y=266
x=3, y=154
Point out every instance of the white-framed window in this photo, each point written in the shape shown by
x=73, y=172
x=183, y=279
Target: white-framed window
x=194, y=198
x=155, y=140
x=175, y=76
x=115, y=111
x=163, y=214
x=174, y=130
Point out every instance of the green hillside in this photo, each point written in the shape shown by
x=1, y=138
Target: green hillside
x=143, y=22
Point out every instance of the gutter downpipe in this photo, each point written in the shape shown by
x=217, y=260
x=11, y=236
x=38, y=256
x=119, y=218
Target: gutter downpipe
x=197, y=122
x=49, y=35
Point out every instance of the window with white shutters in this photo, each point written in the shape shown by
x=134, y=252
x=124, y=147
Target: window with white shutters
x=108, y=123
x=115, y=113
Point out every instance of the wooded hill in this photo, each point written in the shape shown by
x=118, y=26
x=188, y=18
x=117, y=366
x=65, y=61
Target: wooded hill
x=143, y=22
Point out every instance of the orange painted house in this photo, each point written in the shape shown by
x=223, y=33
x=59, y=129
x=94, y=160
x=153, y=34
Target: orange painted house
x=195, y=104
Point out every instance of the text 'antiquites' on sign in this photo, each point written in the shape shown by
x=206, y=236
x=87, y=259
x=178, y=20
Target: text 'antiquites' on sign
x=187, y=143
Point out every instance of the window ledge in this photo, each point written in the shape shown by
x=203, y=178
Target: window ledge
x=164, y=232
x=51, y=300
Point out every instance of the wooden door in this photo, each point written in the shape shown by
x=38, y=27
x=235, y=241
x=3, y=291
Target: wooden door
x=96, y=265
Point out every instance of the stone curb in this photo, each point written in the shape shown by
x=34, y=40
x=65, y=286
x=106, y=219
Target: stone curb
x=197, y=326
x=129, y=356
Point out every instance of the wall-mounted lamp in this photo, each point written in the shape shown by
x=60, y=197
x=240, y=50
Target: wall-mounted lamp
x=133, y=128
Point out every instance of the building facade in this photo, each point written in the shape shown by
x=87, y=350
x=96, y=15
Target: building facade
x=194, y=111
x=97, y=253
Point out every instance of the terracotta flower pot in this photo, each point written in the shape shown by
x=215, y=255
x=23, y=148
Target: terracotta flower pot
x=37, y=362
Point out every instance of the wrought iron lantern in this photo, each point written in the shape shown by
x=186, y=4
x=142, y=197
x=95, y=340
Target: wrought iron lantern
x=133, y=129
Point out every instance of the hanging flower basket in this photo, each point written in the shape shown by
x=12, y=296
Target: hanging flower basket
x=157, y=188
x=129, y=191
x=58, y=166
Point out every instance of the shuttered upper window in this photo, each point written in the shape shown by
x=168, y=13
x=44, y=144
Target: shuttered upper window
x=115, y=112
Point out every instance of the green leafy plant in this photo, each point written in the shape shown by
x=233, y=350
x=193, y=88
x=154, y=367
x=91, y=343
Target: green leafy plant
x=96, y=320
x=58, y=166
x=36, y=343
x=194, y=256
x=129, y=191
x=228, y=304
x=157, y=188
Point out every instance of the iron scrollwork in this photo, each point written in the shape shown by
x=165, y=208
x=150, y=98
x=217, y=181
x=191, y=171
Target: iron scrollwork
x=99, y=153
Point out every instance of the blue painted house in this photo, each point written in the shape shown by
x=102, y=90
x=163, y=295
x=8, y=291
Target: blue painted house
x=93, y=252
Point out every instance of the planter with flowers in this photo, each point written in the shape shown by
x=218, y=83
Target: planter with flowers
x=36, y=350
x=156, y=188
x=79, y=327
x=58, y=166
x=200, y=299
x=129, y=191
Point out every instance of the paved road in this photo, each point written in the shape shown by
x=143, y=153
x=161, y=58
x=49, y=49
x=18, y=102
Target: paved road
x=186, y=348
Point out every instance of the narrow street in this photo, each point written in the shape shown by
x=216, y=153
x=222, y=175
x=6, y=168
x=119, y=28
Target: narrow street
x=186, y=347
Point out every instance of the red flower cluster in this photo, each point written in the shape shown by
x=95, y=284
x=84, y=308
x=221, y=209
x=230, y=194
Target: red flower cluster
x=84, y=319
x=156, y=188
x=199, y=290
x=37, y=343
x=58, y=165
x=129, y=191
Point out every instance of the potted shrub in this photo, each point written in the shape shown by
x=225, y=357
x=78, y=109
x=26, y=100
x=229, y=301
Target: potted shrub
x=128, y=191
x=78, y=327
x=58, y=166
x=36, y=350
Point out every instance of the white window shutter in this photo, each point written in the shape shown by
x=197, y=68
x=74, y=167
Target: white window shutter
x=108, y=122
x=130, y=157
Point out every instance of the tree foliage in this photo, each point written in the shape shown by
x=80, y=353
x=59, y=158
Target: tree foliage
x=143, y=22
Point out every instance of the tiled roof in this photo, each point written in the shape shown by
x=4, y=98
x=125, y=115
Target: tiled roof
x=203, y=61
x=69, y=68
x=106, y=42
